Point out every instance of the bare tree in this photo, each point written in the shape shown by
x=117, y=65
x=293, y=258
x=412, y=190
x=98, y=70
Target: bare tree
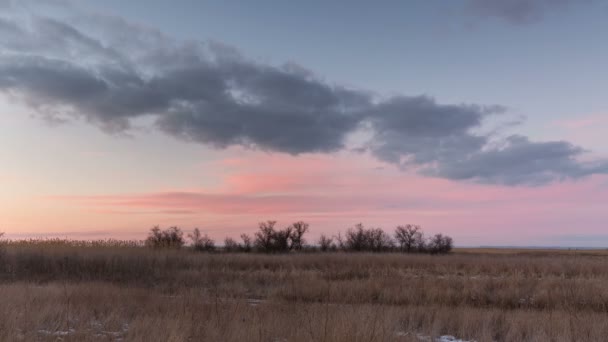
x=264, y=238
x=297, y=235
x=268, y=239
x=408, y=237
x=326, y=243
x=202, y=243
x=340, y=241
x=246, y=242
x=230, y=245
x=171, y=237
x=356, y=238
x=1, y=249
x=281, y=240
x=378, y=240
x=440, y=244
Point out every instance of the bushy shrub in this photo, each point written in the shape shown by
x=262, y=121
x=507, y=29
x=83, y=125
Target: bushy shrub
x=265, y=236
x=230, y=245
x=1, y=247
x=361, y=239
x=409, y=238
x=268, y=239
x=298, y=229
x=439, y=244
x=247, y=244
x=201, y=243
x=326, y=243
x=171, y=237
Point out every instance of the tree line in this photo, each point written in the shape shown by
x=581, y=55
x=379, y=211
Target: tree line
x=271, y=239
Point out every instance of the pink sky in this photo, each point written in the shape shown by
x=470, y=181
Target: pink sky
x=332, y=193
x=114, y=119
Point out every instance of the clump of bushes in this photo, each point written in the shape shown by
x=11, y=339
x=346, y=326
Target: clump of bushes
x=361, y=239
x=201, y=243
x=326, y=243
x=171, y=237
x=410, y=238
x=406, y=239
x=247, y=244
x=270, y=239
x=439, y=244
x=1, y=246
x=230, y=245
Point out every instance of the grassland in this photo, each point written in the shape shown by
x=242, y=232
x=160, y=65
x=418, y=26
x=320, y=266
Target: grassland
x=120, y=291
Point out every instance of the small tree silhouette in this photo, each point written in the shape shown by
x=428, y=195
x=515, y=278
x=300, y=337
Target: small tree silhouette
x=202, y=243
x=230, y=245
x=326, y=243
x=264, y=238
x=246, y=243
x=269, y=240
x=297, y=235
x=378, y=240
x=356, y=239
x=1, y=245
x=171, y=237
x=440, y=244
x=408, y=237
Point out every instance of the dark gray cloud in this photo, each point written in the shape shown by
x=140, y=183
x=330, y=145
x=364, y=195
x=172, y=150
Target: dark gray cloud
x=520, y=161
x=110, y=72
x=519, y=11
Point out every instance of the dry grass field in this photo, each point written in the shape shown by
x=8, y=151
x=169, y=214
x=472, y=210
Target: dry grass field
x=122, y=292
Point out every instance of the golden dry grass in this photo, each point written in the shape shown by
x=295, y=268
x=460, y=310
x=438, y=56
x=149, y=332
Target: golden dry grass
x=533, y=251
x=76, y=292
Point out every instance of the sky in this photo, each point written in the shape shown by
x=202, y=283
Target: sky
x=483, y=120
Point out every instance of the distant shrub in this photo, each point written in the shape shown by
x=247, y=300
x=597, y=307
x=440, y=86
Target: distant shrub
x=326, y=243
x=439, y=244
x=298, y=229
x=265, y=236
x=171, y=237
x=268, y=239
x=247, y=244
x=200, y=242
x=361, y=239
x=409, y=238
x=230, y=245
x=1, y=247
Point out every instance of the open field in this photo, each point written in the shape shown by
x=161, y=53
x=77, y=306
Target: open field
x=109, y=293
x=535, y=251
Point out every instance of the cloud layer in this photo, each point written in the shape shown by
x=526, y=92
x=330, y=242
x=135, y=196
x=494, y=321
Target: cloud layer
x=518, y=11
x=111, y=72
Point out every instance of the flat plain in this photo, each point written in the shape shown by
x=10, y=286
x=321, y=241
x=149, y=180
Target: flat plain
x=59, y=291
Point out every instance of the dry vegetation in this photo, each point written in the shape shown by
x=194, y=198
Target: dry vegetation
x=106, y=291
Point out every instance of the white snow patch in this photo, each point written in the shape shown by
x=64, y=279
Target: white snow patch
x=450, y=338
x=422, y=337
x=255, y=301
x=56, y=333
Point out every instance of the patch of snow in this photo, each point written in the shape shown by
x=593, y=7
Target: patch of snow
x=115, y=335
x=255, y=302
x=450, y=338
x=422, y=337
x=56, y=333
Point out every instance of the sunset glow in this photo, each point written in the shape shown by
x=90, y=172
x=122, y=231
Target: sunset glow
x=103, y=136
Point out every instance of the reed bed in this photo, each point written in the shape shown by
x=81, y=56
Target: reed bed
x=79, y=291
